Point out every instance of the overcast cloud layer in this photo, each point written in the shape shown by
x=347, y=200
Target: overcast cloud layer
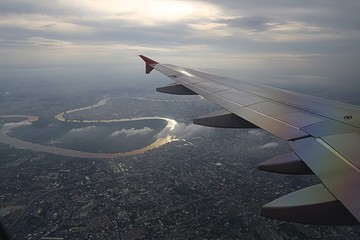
x=309, y=41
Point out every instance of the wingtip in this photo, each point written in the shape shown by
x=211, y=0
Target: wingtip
x=148, y=60
x=149, y=64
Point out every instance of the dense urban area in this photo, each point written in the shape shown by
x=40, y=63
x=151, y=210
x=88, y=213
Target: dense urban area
x=204, y=185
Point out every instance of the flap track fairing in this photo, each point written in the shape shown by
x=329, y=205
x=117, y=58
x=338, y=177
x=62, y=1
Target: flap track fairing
x=223, y=119
x=176, y=89
x=311, y=205
x=288, y=163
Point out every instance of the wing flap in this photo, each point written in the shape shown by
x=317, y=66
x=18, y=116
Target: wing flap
x=337, y=173
x=329, y=127
x=277, y=127
x=343, y=143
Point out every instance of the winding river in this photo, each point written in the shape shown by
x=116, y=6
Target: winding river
x=163, y=138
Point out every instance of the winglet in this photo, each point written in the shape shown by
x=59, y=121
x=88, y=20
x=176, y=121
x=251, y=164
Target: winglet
x=149, y=63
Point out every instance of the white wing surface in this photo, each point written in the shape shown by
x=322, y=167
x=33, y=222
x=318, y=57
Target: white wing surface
x=324, y=134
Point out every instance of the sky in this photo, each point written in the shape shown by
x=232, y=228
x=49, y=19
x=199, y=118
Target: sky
x=310, y=43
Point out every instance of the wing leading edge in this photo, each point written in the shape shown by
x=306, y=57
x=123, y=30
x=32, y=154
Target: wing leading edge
x=323, y=134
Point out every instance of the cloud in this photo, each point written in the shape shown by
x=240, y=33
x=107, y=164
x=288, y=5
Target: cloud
x=219, y=35
x=17, y=124
x=47, y=42
x=54, y=141
x=176, y=21
x=270, y=29
x=252, y=23
x=82, y=130
x=132, y=132
x=269, y=145
x=183, y=131
x=43, y=23
x=149, y=13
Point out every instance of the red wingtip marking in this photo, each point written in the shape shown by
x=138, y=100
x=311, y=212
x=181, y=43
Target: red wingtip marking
x=149, y=64
x=148, y=60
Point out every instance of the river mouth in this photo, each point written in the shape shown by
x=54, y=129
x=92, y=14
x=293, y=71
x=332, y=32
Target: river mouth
x=95, y=137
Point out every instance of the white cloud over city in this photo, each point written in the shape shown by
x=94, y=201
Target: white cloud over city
x=83, y=129
x=132, y=132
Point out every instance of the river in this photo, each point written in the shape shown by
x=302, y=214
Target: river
x=163, y=138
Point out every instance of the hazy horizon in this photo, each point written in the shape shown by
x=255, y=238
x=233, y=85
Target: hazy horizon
x=309, y=45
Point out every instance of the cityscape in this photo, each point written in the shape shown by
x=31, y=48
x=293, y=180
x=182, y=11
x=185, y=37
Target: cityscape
x=203, y=185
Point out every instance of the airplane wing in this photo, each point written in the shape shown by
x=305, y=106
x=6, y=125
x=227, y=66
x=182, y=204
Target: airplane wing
x=324, y=136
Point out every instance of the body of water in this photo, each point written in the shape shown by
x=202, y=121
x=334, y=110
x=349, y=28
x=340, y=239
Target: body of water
x=87, y=138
